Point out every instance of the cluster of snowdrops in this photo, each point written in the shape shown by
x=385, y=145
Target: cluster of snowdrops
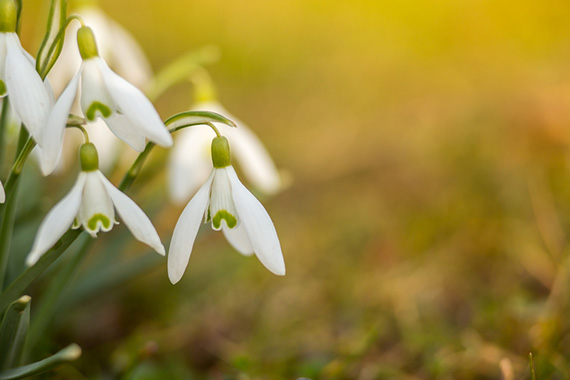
x=99, y=102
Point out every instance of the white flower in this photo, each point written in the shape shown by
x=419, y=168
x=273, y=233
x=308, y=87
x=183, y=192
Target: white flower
x=124, y=108
x=190, y=161
x=122, y=53
x=225, y=202
x=2, y=194
x=19, y=78
x=116, y=46
x=91, y=203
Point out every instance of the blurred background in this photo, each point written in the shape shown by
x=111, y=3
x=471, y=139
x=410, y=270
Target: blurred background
x=425, y=228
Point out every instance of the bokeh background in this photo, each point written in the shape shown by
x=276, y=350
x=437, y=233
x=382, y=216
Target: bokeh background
x=425, y=227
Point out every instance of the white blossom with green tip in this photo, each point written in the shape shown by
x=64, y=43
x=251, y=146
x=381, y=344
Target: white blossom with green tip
x=2, y=194
x=91, y=204
x=29, y=96
x=190, y=161
x=225, y=202
x=104, y=94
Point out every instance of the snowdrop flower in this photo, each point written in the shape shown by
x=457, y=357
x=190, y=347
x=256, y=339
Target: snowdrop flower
x=190, y=162
x=124, y=108
x=2, y=194
x=18, y=77
x=116, y=46
x=225, y=203
x=91, y=204
x=119, y=49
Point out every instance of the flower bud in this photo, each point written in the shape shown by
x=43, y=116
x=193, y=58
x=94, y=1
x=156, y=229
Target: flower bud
x=88, y=157
x=86, y=43
x=220, y=152
x=8, y=16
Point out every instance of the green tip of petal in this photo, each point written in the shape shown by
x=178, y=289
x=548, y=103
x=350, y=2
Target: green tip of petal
x=95, y=107
x=2, y=88
x=86, y=43
x=88, y=157
x=8, y=16
x=220, y=152
x=231, y=220
x=94, y=221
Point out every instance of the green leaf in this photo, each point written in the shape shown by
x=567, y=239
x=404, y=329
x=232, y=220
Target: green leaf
x=190, y=118
x=180, y=70
x=19, y=285
x=13, y=332
x=68, y=354
x=53, y=40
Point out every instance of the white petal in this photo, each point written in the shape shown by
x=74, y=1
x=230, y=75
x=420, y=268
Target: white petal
x=221, y=201
x=185, y=232
x=252, y=157
x=52, y=137
x=93, y=89
x=238, y=239
x=122, y=127
x=132, y=103
x=57, y=221
x=127, y=57
x=96, y=205
x=189, y=162
x=134, y=218
x=27, y=92
x=258, y=226
x=2, y=194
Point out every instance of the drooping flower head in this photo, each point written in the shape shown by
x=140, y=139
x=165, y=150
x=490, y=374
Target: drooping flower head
x=116, y=46
x=19, y=79
x=190, y=160
x=91, y=204
x=2, y=194
x=104, y=94
x=225, y=203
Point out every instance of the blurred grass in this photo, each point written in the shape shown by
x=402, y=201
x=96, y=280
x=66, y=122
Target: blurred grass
x=425, y=232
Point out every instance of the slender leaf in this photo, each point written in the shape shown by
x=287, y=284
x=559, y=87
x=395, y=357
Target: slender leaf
x=53, y=40
x=66, y=355
x=190, y=118
x=13, y=332
x=19, y=285
x=180, y=70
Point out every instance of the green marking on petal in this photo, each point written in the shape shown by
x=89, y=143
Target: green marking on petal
x=2, y=88
x=231, y=220
x=92, y=223
x=97, y=106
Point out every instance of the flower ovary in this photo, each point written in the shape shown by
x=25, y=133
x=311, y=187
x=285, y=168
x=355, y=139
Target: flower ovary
x=88, y=157
x=86, y=43
x=220, y=152
x=8, y=16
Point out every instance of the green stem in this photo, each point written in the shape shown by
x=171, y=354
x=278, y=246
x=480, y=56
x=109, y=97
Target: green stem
x=51, y=298
x=19, y=285
x=8, y=209
x=6, y=230
x=3, y=126
x=135, y=169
